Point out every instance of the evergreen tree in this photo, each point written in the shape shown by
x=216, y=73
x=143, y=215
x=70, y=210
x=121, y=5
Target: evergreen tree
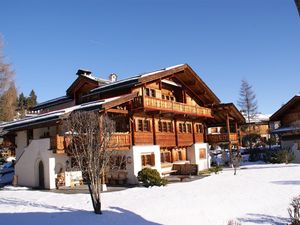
x=31, y=100
x=22, y=104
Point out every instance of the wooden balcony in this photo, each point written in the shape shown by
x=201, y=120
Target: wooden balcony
x=170, y=106
x=120, y=141
x=219, y=138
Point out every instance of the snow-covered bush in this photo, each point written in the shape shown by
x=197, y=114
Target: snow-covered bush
x=150, y=177
x=294, y=211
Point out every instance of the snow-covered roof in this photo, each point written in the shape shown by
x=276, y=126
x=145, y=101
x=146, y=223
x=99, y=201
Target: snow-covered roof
x=135, y=77
x=54, y=115
x=258, y=118
x=285, y=129
x=54, y=100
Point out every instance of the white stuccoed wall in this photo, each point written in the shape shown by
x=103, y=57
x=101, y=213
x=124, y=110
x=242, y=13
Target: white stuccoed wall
x=26, y=168
x=136, y=165
x=294, y=146
x=193, y=155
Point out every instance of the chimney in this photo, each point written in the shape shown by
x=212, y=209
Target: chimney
x=82, y=72
x=113, y=77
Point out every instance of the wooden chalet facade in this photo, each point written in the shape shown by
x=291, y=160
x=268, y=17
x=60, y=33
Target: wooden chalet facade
x=162, y=118
x=286, y=125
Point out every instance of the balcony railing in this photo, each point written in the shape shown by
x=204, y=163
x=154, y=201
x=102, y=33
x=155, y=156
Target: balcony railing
x=178, y=107
x=216, y=138
x=120, y=140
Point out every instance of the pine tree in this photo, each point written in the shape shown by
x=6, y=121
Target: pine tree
x=247, y=101
x=31, y=100
x=22, y=104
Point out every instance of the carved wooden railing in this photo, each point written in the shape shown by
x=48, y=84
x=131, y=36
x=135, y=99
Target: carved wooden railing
x=216, y=138
x=161, y=104
x=120, y=140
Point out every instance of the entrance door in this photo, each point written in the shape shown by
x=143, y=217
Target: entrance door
x=41, y=175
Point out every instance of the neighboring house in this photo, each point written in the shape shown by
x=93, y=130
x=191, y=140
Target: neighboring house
x=286, y=124
x=162, y=118
x=259, y=125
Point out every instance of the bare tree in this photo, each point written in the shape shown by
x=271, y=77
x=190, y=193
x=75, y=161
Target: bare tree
x=8, y=92
x=247, y=101
x=90, y=134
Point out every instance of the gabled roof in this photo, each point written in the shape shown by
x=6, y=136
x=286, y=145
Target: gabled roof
x=57, y=115
x=183, y=73
x=280, y=112
x=85, y=75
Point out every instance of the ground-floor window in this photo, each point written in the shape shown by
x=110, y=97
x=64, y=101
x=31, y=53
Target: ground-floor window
x=202, y=153
x=148, y=159
x=165, y=156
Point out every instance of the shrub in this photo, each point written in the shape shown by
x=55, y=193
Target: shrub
x=150, y=177
x=255, y=155
x=279, y=156
x=215, y=169
x=294, y=211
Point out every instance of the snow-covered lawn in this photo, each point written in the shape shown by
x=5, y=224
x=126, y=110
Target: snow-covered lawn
x=258, y=194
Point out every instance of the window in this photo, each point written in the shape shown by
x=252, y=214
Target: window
x=170, y=127
x=150, y=92
x=181, y=127
x=165, y=156
x=163, y=96
x=159, y=126
x=143, y=125
x=164, y=127
x=202, y=153
x=146, y=125
x=199, y=128
x=189, y=128
x=140, y=125
x=148, y=159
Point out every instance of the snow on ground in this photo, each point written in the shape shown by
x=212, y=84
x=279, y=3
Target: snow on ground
x=258, y=194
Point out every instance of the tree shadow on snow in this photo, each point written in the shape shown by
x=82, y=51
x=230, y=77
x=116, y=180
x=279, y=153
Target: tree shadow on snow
x=114, y=216
x=287, y=182
x=263, y=219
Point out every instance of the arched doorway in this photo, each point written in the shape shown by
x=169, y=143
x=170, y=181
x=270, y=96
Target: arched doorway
x=41, y=175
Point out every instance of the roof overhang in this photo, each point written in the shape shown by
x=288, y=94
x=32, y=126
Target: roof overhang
x=56, y=116
x=280, y=112
x=220, y=113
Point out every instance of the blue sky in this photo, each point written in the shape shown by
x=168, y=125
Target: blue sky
x=223, y=41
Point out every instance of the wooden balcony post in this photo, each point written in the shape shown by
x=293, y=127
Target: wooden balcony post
x=153, y=130
x=176, y=132
x=228, y=132
x=238, y=138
